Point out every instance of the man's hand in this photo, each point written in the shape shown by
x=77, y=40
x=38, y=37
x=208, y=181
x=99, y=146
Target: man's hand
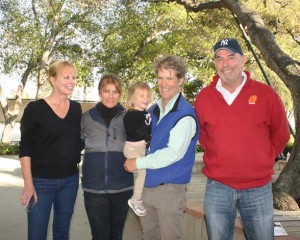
x=130, y=165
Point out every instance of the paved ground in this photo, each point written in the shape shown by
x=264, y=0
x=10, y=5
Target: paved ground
x=13, y=225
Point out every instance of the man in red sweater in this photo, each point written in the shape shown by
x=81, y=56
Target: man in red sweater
x=243, y=128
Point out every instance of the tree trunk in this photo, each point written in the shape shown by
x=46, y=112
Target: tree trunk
x=10, y=116
x=44, y=86
x=287, y=187
x=7, y=132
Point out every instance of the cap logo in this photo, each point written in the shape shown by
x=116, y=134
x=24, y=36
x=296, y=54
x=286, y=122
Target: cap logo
x=229, y=44
x=224, y=42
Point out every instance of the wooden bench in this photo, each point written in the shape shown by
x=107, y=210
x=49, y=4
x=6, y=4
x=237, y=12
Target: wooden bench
x=198, y=165
x=194, y=226
x=281, y=164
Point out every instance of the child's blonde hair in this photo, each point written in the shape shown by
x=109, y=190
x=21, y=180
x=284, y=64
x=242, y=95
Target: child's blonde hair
x=131, y=91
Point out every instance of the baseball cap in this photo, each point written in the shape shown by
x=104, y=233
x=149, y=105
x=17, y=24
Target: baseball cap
x=229, y=44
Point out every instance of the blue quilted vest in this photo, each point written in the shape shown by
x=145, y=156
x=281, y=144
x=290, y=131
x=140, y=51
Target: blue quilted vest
x=180, y=171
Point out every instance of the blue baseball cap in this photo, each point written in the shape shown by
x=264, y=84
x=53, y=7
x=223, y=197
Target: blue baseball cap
x=229, y=44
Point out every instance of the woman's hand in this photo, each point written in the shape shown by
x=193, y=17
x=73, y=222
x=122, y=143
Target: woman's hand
x=28, y=190
x=27, y=194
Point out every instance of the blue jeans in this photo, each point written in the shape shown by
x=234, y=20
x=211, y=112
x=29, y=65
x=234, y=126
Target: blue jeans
x=107, y=214
x=61, y=193
x=255, y=206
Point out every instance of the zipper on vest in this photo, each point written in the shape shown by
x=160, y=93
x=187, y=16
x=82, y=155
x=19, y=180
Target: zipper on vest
x=106, y=151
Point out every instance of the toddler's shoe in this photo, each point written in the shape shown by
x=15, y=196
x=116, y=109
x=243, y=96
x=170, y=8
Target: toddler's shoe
x=137, y=206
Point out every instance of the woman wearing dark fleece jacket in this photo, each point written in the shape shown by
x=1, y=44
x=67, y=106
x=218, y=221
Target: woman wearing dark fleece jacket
x=106, y=185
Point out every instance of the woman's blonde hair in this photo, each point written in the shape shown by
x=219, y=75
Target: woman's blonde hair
x=110, y=78
x=57, y=65
x=131, y=91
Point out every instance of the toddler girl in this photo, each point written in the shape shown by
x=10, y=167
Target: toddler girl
x=137, y=122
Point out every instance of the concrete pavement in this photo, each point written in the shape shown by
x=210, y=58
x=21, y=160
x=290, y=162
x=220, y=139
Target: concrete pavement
x=13, y=223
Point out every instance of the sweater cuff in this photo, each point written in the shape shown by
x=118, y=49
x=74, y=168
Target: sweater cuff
x=140, y=163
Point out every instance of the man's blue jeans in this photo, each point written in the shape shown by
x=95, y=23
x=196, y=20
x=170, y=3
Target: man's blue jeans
x=61, y=193
x=255, y=206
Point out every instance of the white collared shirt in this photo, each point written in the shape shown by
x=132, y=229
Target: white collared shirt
x=228, y=96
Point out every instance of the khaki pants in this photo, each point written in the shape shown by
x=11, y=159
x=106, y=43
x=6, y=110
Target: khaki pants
x=165, y=206
x=134, y=150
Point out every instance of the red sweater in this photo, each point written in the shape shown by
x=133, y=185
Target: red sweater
x=242, y=140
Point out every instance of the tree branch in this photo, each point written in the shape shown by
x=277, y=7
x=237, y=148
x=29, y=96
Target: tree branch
x=200, y=6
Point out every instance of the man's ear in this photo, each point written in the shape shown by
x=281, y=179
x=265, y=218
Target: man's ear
x=181, y=81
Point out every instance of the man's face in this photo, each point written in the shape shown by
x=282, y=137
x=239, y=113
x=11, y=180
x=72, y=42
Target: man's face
x=168, y=84
x=229, y=66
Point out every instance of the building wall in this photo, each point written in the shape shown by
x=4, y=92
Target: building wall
x=16, y=130
x=84, y=105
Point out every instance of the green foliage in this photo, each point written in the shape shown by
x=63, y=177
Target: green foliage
x=191, y=88
x=283, y=21
x=199, y=148
x=135, y=36
x=37, y=32
x=125, y=37
x=9, y=149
